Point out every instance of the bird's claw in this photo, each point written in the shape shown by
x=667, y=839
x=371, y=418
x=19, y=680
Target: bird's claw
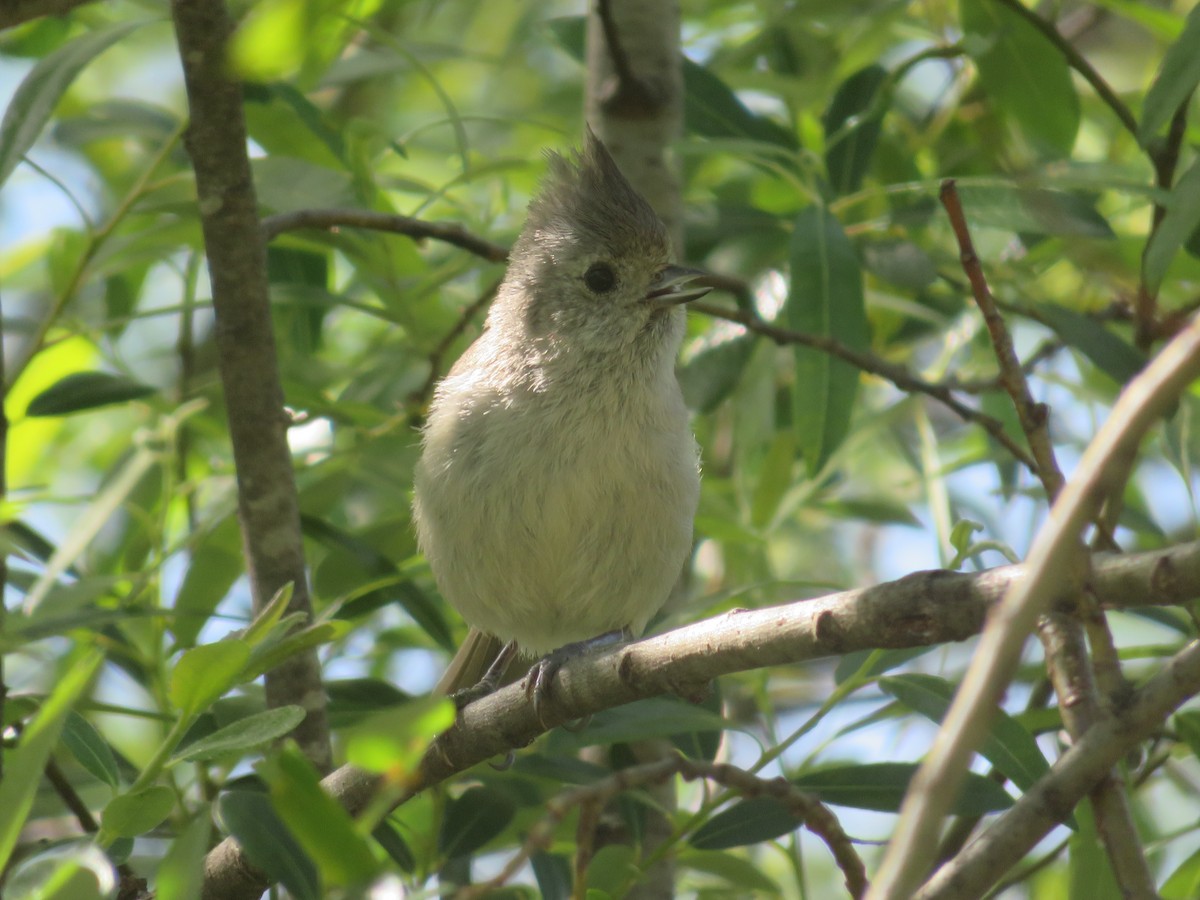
x=539, y=682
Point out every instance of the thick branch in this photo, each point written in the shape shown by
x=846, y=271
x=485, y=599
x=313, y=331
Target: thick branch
x=237, y=265
x=922, y=609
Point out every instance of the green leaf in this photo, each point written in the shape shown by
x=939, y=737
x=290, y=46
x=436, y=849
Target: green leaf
x=1008, y=746
x=215, y=565
x=1187, y=723
x=881, y=786
x=1090, y=873
x=1184, y=882
x=321, y=825
x=23, y=765
x=826, y=300
x=247, y=734
x=1034, y=211
x=86, y=390
x=1182, y=218
x=1114, y=357
x=740, y=873
x=352, y=699
x=656, y=717
x=268, y=844
x=1177, y=79
x=40, y=91
x=472, y=819
x=395, y=739
x=425, y=612
x=611, y=871
x=129, y=815
x=1024, y=74
x=553, y=874
x=181, y=873
x=205, y=673
x=713, y=373
x=850, y=133
x=395, y=846
x=93, y=752
x=746, y=822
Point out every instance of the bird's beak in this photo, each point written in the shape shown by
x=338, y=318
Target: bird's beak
x=668, y=288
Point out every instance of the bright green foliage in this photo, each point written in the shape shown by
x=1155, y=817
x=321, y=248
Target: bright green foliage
x=815, y=140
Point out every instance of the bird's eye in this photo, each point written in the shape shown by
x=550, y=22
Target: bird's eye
x=600, y=278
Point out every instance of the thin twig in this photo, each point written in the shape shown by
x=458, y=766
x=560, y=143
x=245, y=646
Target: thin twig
x=417, y=229
x=1105, y=464
x=1061, y=630
x=1032, y=415
x=436, y=356
x=897, y=375
x=806, y=808
x=1076, y=61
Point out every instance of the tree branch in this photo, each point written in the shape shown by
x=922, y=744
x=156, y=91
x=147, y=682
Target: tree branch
x=922, y=609
x=1050, y=801
x=237, y=263
x=417, y=229
x=896, y=374
x=1056, y=554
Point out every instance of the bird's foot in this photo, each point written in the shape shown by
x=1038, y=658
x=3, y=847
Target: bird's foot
x=540, y=680
x=490, y=681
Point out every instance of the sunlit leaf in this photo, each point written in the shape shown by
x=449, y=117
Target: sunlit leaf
x=206, y=672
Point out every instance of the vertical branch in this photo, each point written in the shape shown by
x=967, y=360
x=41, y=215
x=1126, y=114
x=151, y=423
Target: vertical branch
x=1061, y=629
x=267, y=502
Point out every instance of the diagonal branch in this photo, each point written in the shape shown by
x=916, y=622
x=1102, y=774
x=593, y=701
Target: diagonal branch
x=1056, y=554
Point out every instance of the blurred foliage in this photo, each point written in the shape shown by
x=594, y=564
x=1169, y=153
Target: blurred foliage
x=816, y=137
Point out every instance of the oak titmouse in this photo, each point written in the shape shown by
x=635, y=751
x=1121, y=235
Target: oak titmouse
x=559, y=478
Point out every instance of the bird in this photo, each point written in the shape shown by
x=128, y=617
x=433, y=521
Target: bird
x=558, y=480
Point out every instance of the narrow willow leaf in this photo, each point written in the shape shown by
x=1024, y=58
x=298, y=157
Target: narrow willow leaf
x=90, y=749
x=181, y=872
x=40, y=91
x=1177, y=79
x=205, y=673
x=473, y=819
x=83, y=391
x=1114, y=357
x=1182, y=218
x=129, y=815
x=746, y=822
x=249, y=817
x=882, y=786
x=246, y=734
x=1008, y=746
x=23, y=766
x=826, y=300
x=325, y=830
x=1023, y=73
x=852, y=128
x=88, y=525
